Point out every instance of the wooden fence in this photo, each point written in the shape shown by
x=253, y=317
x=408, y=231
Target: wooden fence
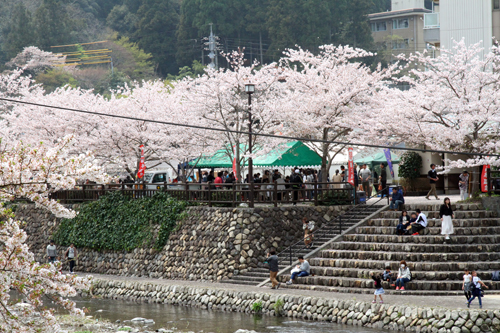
x=318, y=193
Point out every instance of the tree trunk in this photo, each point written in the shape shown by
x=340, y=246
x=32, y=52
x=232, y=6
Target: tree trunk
x=476, y=180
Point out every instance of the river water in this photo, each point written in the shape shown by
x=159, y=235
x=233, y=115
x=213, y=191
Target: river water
x=187, y=319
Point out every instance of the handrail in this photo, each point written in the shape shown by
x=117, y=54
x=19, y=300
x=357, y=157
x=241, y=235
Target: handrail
x=339, y=217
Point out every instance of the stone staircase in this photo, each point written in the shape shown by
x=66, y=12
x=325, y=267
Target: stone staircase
x=437, y=267
x=254, y=276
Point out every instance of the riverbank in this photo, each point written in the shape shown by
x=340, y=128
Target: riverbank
x=400, y=312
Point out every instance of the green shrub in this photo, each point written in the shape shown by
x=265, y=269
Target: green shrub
x=332, y=198
x=257, y=307
x=119, y=222
x=278, y=306
x=409, y=168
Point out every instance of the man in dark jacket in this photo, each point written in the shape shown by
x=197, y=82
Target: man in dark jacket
x=272, y=261
x=296, y=185
x=433, y=178
x=396, y=200
x=383, y=180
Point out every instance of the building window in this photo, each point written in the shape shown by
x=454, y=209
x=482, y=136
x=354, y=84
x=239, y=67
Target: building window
x=496, y=4
x=379, y=26
x=400, y=44
x=400, y=23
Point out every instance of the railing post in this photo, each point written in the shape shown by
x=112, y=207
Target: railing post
x=186, y=189
x=388, y=201
x=340, y=224
x=275, y=194
x=291, y=256
x=209, y=195
x=315, y=191
x=234, y=194
x=252, y=193
x=83, y=191
x=164, y=186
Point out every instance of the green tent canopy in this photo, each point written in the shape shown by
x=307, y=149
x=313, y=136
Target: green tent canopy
x=293, y=153
x=376, y=158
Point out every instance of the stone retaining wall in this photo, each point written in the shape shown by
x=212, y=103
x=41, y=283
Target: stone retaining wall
x=210, y=244
x=381, y=316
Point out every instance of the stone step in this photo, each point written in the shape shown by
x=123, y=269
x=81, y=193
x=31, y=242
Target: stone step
x=422, y=239
x=462, y=223
x=248, y=283
x=469, y=258
x=387, y=291
x=458, y=231
x=415, y=247
x=445, y=273
x=248, y=278
x=368, y=283
x=435, y=214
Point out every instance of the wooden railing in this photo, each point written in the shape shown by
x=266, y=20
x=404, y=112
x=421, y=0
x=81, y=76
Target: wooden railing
x=233, y=195
x=493, y=179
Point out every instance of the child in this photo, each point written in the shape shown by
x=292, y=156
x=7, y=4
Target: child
x=387, y=276
x=476, y=289
x=467, y=284
x=378, y=288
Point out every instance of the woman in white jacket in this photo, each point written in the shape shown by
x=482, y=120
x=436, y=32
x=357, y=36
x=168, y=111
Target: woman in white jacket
x=404, y=276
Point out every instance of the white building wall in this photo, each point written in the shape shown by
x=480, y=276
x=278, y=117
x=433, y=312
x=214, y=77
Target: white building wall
x=407, y=4
x=469, y=19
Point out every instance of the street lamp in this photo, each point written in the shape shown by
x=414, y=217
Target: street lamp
x=250, y=89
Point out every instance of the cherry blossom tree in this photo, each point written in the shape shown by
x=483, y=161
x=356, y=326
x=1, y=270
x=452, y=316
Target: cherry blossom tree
x=114, y=141
x=218, y=99
x=330, y=94
x=452, y=104
x=33, y=172
x=33, y=61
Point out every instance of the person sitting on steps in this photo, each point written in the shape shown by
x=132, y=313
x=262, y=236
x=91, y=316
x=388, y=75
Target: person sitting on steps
x=302, y=270
x=404, y=222
x=404, y=276
x=396, y=199
x=419, y=224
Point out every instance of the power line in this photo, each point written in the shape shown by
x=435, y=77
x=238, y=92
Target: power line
x=242, y=132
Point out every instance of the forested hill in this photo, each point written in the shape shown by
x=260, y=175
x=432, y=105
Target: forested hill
x=171, y=30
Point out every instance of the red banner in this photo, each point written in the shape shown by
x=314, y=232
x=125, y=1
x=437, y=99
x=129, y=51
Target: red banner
x=484, y=178
x=142, y=164
x=234, y=165
x=350, y=176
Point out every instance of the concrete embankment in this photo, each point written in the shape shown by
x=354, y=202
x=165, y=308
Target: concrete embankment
x=343, y=311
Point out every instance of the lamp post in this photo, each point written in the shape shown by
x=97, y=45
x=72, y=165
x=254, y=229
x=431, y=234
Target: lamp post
x=250, y=89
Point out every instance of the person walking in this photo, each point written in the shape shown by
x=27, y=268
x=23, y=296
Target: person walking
x=296, y=185
x=308, y=235
x=404, y=276
x=365, y=176
x=433, y=178
x=466, y=285
x=463, y=185
x=70, y=255
x=378, y=288
x=383, y=180
x=446, y=215
x=272, y=261
x=51, y=252
x=476, y=289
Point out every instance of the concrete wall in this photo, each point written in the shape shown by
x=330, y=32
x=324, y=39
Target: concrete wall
x=406, y=4
x=211, y=244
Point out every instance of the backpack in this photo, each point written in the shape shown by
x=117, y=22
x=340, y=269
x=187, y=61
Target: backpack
x=495, y=276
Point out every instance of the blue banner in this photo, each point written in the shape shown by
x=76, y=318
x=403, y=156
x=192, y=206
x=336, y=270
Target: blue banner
x=388, y=157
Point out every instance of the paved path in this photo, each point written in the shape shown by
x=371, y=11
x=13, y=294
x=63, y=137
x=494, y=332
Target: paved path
x=491, y=302
x=422, y=200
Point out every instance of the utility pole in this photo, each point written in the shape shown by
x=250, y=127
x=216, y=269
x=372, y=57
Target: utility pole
x=260, y=46
x=213, y=48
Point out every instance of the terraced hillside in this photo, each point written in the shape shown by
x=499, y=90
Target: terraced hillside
x=437, y=267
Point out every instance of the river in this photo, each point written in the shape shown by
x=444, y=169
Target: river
x=187, y=319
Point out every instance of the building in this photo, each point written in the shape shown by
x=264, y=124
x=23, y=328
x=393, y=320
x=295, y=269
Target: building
x=416, y=25
x=401, y=30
